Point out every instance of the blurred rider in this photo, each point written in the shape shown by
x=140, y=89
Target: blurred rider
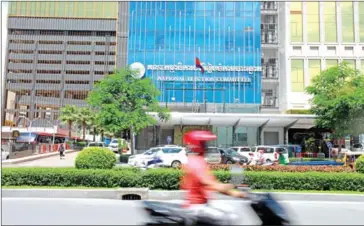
x=198, y=180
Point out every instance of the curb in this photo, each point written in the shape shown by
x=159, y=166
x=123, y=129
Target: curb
x=145, y=193
x=33, y=157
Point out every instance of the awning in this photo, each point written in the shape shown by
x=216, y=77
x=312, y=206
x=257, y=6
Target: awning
x=241, y=120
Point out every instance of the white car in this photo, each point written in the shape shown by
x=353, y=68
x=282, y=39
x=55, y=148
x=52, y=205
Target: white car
x=113, y=146
x=244, y=150
x=270, y=152
x=172, y=156
x=4, y=154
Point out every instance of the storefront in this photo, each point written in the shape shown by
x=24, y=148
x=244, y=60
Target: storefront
x=231, y=128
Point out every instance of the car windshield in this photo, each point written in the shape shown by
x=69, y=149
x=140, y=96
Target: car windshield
x=95, y=145
x=232, y=152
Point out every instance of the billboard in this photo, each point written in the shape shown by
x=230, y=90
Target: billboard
x=166, y=37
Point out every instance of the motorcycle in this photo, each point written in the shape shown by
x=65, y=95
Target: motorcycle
x=264, y=205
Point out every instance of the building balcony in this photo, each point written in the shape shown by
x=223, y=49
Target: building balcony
x=270, y=102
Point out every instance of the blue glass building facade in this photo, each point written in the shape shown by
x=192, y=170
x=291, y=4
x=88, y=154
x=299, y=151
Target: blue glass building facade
x=167, y=36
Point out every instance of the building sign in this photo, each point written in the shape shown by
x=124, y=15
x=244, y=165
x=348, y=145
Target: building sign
x=243, y=79
x=208, y=68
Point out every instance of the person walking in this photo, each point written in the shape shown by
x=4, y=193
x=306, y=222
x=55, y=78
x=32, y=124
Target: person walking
x=61, y=150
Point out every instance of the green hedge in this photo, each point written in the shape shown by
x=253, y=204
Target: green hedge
x=359, y=164
x=168, y=179
x=95, y=158
x=307, y=159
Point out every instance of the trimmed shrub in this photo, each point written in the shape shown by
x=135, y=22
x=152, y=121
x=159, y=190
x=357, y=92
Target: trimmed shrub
x=280, y=168
x=168, y=179
x=95, y=158
x=359, y=164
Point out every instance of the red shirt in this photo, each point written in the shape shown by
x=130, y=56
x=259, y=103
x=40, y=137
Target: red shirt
x=194, y=171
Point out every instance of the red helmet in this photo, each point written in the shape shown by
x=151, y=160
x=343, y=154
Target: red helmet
x=197, y=139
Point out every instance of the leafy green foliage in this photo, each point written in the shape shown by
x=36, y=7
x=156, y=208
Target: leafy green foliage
x=69, y=114
x=95, y=158
x=281, y=168
x=169, y=179
x=84, y=117
x=123, y=102
x=359, y=164
x=338, y=100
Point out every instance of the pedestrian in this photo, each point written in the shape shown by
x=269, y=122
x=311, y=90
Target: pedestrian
x=61, y=150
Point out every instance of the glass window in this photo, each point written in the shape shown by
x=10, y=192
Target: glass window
x=212, y=151
x=351, y=63
x=314, y=68
x=313, y=22
x=361, y=21
x=244, y=149
x=330, y=21
x=331, y=63
x=172, y=150
x=297, y=84
x=296, y=22
x=347, y=20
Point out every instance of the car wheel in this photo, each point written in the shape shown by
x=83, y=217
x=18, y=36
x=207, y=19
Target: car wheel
x=268, y=161
x=229, y=162
x=176, y=164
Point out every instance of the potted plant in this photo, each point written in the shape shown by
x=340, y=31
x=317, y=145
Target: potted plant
x=125, y=146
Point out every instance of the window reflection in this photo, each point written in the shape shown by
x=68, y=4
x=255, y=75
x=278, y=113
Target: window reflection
x=347, y=20
x=351, y=63
x=331, y=63
x=314, y=68
x=296, y=21
x=361, y=21
x=297, y=84
x=330, y=21
x=313, y=22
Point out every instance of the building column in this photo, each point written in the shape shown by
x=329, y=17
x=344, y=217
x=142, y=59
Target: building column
x=234, y=131
x=285, y=131
x=260, y=131
x=63, y=72
x=122, y=31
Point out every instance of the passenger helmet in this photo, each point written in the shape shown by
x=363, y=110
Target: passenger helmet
x=196, y=140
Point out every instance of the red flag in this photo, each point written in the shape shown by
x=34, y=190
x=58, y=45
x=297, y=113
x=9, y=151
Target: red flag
x=198, y=65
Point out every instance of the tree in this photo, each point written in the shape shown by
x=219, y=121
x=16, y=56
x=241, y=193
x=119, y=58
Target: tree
x=69, y=114
x=338, y=100
x=123, y=102
x=85, y=117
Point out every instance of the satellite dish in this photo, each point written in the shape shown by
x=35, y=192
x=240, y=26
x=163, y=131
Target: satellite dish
x=139, y=70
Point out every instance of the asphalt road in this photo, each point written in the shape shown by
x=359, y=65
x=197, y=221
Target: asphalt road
x=47, y=211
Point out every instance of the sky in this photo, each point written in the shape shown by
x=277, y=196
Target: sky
x=4, y=12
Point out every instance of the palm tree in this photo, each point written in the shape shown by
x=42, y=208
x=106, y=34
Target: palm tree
x=85, y=117
x=69, y=114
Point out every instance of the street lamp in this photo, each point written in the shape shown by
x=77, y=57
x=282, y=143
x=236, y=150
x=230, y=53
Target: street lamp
x=53, y=126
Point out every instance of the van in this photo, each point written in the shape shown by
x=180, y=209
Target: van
x=270, y=152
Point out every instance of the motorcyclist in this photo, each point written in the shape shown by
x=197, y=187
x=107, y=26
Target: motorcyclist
x=198, y=180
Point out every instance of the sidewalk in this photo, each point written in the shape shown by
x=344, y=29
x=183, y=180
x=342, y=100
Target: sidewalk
x=37, y=160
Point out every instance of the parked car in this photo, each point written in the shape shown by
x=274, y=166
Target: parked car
x=358, y=147
x=335, y=149
x=243, y=150
x=172, y=156
x=114, y=146
x=271, y=152
x=96, y=144
x=292, y=148
x=230, y=156
x=212, y=155
x=4, y=154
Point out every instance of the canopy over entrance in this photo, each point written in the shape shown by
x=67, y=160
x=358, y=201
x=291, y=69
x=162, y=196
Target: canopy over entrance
x=241, y=120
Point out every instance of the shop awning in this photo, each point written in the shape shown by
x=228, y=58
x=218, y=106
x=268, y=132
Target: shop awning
x=241, y=120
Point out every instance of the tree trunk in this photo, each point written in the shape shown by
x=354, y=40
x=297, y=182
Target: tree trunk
x=83, y=130
x=94, y=139
x=132, y=141
x=69, y=129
